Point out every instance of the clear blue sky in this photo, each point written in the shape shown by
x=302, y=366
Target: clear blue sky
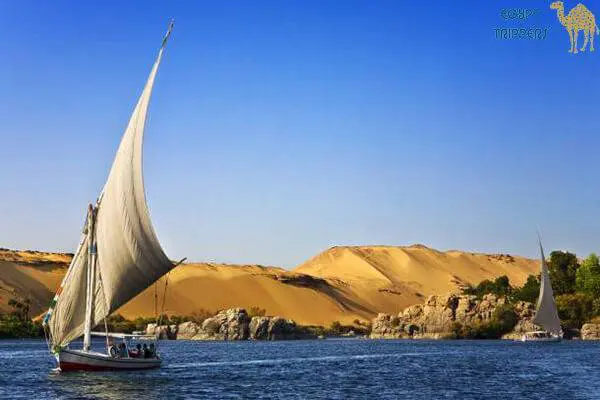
x=280, y=128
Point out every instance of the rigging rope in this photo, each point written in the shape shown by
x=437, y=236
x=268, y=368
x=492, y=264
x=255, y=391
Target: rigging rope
x=162, y=311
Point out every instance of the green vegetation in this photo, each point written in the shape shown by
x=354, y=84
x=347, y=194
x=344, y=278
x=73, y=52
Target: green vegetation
x=12, y=327
x=529, y=291
x=576, y=290
x=17, y=324
x=118, y=324
x=563, y=269
x=503, y=321
x=587, y=277
x=500, y=287
x=338, y=329
x=575, y=309
x=256, y=312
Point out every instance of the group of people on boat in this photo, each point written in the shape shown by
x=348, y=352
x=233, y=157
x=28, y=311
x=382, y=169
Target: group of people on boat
x=139, y=351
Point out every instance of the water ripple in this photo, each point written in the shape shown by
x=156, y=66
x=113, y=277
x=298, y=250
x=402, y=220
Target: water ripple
x=320, y=369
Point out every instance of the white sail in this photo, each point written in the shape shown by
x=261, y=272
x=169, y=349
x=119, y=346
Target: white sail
x=129, y=257
x=546, y=314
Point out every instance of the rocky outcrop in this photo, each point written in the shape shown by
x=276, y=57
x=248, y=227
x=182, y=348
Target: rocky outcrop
x=386, y=326
x=259, y=328
x=440, y=316
x=164, y=332
x=187, y=330
x=276, y=328
x=525, y=312
x=590, y=332
x=233, y=324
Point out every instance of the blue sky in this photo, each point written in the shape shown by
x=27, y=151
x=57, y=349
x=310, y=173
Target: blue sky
x=280, y=128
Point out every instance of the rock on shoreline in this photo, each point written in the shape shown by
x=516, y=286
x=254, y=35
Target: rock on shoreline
x=233, y=324
x=164, y=332
x=590, y=332
x=439, y=315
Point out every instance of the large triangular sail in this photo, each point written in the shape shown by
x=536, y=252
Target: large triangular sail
x=546, y=314
x=126, y=255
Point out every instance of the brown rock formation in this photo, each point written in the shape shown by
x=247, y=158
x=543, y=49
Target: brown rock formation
x=232, y=324
x=439, y=317
x=590, y=332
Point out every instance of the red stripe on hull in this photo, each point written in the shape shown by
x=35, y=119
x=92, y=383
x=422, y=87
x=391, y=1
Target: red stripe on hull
x=67, y=366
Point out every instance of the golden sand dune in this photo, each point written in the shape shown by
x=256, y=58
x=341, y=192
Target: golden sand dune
x=32, y=275
x=389, y=278
x=213, y=287
x=342, y=283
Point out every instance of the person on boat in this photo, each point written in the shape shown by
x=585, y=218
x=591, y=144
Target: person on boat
x=146, y=351
x=137, y=353
x=152, y=351
x=122, y=350
x=132, y=352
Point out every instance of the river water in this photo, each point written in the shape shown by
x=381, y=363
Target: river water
x=320, y=369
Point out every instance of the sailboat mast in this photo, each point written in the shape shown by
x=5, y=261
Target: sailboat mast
x=91, y=279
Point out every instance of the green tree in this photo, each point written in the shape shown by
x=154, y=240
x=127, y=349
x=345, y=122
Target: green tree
x=529, y=291
x=505, y=317
x=256, y=311
x=587, y=278
x=563, y=269
x=20, y=309
x=574, y=309
x=500, y=287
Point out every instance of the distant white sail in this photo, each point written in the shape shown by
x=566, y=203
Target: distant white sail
x=546, y=314
x=129, y=257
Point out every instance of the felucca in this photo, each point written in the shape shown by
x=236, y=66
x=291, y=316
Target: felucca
x=546, y=314
x=118, y=257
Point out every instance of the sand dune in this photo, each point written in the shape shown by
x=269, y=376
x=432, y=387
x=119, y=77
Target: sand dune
x=388, y=278
x=213, y=287
x=33, y=275
x=341, y=283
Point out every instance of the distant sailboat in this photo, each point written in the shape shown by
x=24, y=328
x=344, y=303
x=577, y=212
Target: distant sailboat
x=546, y=314
x=118, y=257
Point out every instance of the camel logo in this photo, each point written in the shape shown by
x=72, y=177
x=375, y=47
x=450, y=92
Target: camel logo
x=578, y=19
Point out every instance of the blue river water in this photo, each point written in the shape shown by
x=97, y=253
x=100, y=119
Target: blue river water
x=320, y=369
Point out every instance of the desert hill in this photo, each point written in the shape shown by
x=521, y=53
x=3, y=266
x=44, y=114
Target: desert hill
x=31, y=274
x=390, y=278
x=341, y=283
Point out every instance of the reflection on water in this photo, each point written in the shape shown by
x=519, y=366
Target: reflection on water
x=319, y=370
x=107, y=385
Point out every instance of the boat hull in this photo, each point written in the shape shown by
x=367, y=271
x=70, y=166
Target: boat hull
x=552, y=339
x=79, y=360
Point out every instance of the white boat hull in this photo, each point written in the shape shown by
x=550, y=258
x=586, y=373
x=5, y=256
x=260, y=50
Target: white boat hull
x=541, y=339
x=80, y=360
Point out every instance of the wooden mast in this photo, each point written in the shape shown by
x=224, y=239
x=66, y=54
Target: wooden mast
x=91, y=278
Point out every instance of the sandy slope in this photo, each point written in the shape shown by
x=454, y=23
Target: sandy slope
x=388, y=278
x=213, y=287
x=35, y=275
x=342, y=283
